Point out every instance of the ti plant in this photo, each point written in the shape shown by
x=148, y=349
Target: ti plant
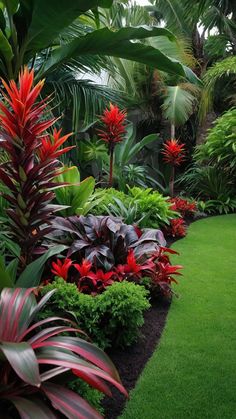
x=32, y=162
x=36, y=357
x=112, y=132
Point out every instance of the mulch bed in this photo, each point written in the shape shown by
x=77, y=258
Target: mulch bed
x=131, y=361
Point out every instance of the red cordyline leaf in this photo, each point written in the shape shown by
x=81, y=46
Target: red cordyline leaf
x=113, y=121
x=174, y=152
x=32, y=160
x=46, y=347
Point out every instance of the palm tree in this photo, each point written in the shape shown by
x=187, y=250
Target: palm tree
x=179, y=104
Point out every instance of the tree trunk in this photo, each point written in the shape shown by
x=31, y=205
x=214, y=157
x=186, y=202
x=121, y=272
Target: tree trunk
x=172, y=131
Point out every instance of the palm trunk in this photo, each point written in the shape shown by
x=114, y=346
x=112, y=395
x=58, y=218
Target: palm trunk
x=172, y=131
x=111, y=167
x=172, y=179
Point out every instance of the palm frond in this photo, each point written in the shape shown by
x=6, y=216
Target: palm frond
x=86, y=98
x=179, y=103
x=222, y=70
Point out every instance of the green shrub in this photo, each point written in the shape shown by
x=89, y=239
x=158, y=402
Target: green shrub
x=217, y=206
x=220, y=146
x=108, y=197
x=207, y=182
x=111, y=318
x=151, y=207
x=152, y=204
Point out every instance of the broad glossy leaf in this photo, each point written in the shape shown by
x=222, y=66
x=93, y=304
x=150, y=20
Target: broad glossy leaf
x=12, y=268
x=16, y=306
x=49, y=356
x=93, y=381
x=23, y=360
x=5, y=48
x=151, y=234
x=31, y=276
x=5, y=277
x=117, y=44
x=50, y=17
x=32, y=409
x=82, y=348
x=69, y=403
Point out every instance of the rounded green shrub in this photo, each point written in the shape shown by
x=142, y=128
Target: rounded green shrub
x=112, y=318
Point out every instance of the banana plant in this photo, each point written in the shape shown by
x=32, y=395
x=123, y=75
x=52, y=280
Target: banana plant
x=27, y=33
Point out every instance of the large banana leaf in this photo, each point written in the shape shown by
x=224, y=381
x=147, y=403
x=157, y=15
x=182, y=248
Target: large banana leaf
x=118, y=44
x=50, y=17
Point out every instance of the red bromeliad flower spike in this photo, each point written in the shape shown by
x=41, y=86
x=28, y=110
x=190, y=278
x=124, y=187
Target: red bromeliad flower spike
x=60, y=268
x=113, y=121
x=32, y=162
x=174, y=154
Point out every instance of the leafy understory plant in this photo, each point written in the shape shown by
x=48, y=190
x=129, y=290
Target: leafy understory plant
x=36, y=358
x=103, y=241
x=76, y=193
x=32, y=162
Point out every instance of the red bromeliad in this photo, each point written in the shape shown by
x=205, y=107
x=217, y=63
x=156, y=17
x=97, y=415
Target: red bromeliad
x=114, y=128
x=61, y=269
x=183, y=206
x=32, y=161
x=95, y=283
x=174, y=154
x=158, y=268
x=84, y=268
x=177, y=228
x=162, y=274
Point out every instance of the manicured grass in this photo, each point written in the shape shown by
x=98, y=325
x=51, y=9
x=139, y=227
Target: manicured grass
x=192, y=374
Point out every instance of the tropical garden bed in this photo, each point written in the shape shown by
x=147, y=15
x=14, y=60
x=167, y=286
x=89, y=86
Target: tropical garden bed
x=96, y=182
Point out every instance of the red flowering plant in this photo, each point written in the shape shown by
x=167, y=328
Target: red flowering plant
x=174, y=154
x=132, y=269
x=185, y=207
x=113, y=121
x=162, y=274
x=176, y=228
x=61, y=269
x=157, y=269
x=32, y=161
x=89, y=281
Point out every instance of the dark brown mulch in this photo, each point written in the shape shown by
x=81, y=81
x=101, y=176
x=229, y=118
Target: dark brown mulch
x=131, y=361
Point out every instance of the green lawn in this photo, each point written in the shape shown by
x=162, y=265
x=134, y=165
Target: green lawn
x=192, y=374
